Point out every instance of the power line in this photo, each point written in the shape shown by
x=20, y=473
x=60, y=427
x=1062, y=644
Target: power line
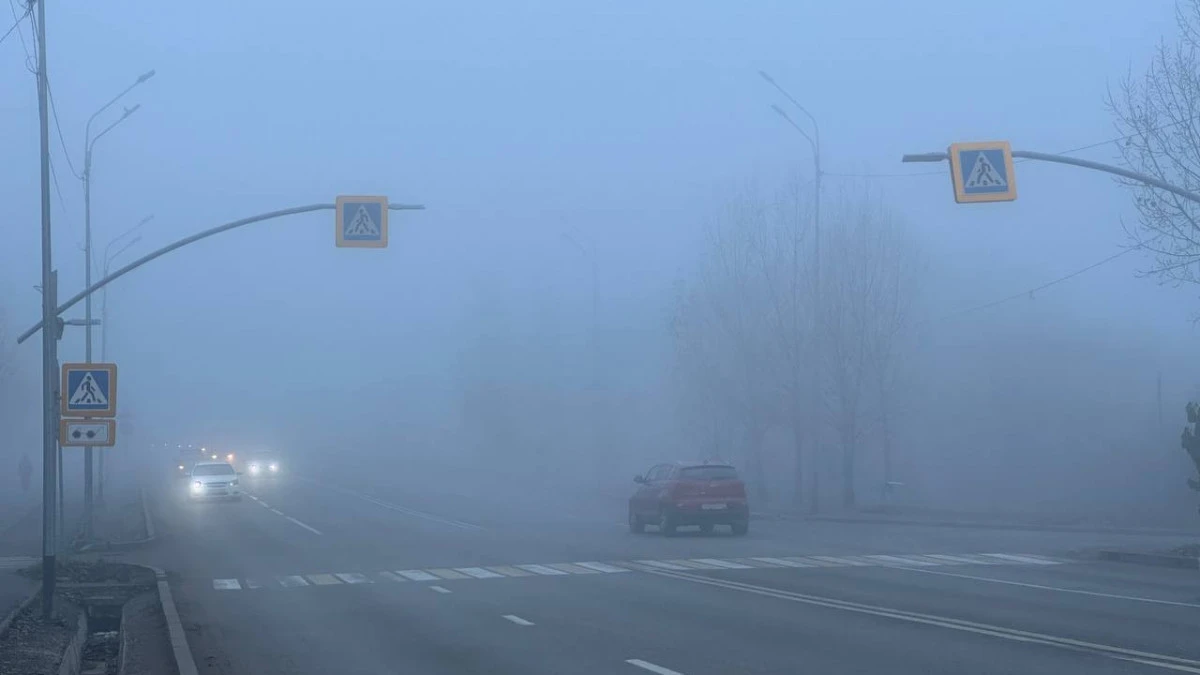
x=21, y=36
x=62, y=141
x=1030, y=292
x=16, y=22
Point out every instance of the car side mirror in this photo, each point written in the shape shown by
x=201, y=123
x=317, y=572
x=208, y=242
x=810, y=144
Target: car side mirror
x=639, y=479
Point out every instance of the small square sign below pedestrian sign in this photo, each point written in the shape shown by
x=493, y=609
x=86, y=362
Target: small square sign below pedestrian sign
x=89, y=390
x=982, y=172
x=87, y=433
x=362, y=222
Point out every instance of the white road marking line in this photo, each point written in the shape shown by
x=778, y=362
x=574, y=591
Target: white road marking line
x=951, y=559
x=275, y=511
x=1027, y=559
x=805, y=562
x=265, y=505
x=1165, y=661
x=323, y=579
x=518, y=620
x=1058, y=589
x=900, y=560
x=646, y=665
x=353, y=578
x=478, y=572
x=692, y=564
x=542, y=570
x=253, y=584
x=510, y=571
x=226, y=585
x=729, y=565
x=782, y=563
x=838, y=561
x=390, y=576
x=416, y=575
x=448, y=573
x=572, y=569
x=307, y=527
x=252, y=496
x=439, y=589
x=977, y=559
x=601, y=567
x=292, y=581
x=660, y=564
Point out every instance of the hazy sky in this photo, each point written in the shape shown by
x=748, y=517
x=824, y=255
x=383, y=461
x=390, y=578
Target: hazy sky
x=514, y=122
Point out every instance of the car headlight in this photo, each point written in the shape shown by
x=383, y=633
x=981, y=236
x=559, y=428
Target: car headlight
x=181, y=467
x=197, y=486
x=229, y=457
x=254, y=468
x=274, y=467
x=233, y=482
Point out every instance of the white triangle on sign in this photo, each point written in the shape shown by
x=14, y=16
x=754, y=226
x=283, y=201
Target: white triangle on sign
x=88, y=392
x=362, y=224
x=984, y=175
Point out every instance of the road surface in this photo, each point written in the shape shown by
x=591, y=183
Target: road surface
x=325, y=574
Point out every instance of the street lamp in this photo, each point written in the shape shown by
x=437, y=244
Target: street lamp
x=814, y=142
x=88, y=144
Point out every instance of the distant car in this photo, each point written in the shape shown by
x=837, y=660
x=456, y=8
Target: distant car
x=680, y=494
x=214, y=479
x=264, y=466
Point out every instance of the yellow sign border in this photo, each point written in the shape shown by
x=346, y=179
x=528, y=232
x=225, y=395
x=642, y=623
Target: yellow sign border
x=65, y=441
x=65, y=396
x=960, y=195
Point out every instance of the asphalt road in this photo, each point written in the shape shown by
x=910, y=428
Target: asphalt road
x=326, y=574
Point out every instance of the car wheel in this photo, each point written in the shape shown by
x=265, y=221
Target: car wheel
x=665, y=526
x=636, y=525
x=741, y=527
x=706, y=528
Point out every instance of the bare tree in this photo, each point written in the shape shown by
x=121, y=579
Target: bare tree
x=723, y=334
x=1159, y=113
x=866, y=299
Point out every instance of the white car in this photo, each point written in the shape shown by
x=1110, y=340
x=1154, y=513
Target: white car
x=214, y=479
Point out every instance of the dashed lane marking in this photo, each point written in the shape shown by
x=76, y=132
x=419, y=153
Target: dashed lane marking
x=518, y=620
x=646, y=665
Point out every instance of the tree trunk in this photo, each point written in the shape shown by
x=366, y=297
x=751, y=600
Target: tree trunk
x=848, y=467
x=762, y=495
x=798, y=471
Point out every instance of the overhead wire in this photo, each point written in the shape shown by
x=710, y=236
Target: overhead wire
x=16, y=23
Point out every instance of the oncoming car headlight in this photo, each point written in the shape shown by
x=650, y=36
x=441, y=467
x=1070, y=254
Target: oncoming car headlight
x=254, y=469
x=197, y=486
x=274, y=467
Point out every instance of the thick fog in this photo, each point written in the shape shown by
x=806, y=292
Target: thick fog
x=614, y=267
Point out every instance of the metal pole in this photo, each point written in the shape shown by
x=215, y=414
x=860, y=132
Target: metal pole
x=49, y=336
x=180, y=244
x=1063, y=159
x=87, y=254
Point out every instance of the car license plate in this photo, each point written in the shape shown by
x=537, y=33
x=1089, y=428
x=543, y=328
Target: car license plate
x=712, y=507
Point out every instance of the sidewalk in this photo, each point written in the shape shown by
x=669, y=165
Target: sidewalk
x=20, y=546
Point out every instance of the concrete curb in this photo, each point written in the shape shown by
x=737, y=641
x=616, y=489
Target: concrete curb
x=20, y=608
x=184, y=663
x=72, y=658
x=979, y=525
x=1155, y=559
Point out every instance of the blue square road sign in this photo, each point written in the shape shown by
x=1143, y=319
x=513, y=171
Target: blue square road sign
x=982, y=172
x=362, y=222
x=89, y=390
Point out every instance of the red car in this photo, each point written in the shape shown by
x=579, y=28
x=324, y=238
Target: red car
x=689, y=493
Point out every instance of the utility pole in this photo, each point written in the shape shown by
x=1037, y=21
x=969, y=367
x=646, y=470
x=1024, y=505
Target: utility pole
x=49, y=336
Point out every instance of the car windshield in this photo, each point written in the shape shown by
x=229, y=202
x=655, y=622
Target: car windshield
x=214, y=470
x=708, y=473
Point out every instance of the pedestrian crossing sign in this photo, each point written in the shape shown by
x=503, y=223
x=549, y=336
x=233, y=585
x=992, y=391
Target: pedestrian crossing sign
x=982, y=172
x=89, y=390
x=362, y=222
